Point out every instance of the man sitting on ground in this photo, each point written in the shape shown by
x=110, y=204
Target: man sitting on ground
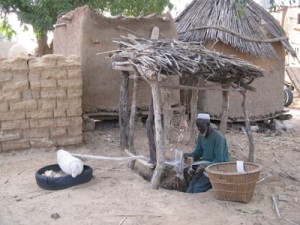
x=211, y=148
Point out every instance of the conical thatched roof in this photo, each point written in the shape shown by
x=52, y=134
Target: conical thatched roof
x=250, y=33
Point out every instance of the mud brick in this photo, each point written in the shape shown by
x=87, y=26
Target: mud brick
x=39, y=114
x=24, y=105
x=14, y=145
x=36, y=133
x=60, y=131
x=47, y=103
x=15, y=124
x=42, y=123
x=15, y=86
x=64, y=141
x=54, y=74
x=6, y=96
x=40, y=143
x=53, y=93
x=4, y=116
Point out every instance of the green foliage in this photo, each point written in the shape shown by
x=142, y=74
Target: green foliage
x=5, y=29
x=277, y=6
x=137, y=7
x=240, y=5
x=42, y=14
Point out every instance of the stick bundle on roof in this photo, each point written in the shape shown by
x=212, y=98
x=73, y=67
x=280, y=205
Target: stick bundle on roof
x=172, y=57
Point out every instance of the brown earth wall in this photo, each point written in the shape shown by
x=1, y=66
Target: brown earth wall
x=95, y=33
x=40, y=102
x=268, y=98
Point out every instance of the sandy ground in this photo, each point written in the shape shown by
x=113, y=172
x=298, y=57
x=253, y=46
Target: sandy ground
x=121, y=196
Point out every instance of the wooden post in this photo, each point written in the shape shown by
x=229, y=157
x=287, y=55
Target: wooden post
x=248, y=128
x=201, y=94
x=132, y=119
x=123, y=110
x=225, y=107
x=167, y=113
x=160, y=165
x=150, y=119
x=150, y=132
x=133, y=113
x=194, y=108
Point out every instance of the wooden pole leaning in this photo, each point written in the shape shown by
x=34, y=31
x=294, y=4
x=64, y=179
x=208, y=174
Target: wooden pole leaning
x=248, y=128
x=194, y=109
x=132, y=118
x=123, y=110
x=225, y=108
x=160, y=152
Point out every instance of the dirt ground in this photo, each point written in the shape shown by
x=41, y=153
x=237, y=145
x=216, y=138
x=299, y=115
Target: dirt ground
x=121, y=196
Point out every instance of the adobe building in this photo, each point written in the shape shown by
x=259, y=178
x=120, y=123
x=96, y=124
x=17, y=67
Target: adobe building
x=85, y=33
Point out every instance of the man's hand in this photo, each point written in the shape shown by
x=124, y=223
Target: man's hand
x=191, y=171
x=200, y=169
x=186, y=155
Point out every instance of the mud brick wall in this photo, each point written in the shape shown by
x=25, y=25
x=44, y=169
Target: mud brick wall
x=40, y=102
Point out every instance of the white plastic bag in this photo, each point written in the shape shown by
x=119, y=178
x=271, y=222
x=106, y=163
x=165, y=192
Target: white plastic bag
x=69, y=164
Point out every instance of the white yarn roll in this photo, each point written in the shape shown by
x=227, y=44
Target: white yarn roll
x=69, y=164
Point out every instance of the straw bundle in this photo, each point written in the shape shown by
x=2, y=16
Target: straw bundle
x=171, y=57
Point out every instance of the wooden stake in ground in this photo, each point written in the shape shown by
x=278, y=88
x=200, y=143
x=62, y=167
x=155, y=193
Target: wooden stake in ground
x=123, y=110
x=150, y=132
x=248, y=129
x=132, y=118
x=167, y=113
x=225, y=107
x=133, y=113
x=150, y=119
x=160, y=164
x=193, y=107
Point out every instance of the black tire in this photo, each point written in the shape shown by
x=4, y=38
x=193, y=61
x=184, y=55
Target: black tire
x=288, y=97
x=58, y=183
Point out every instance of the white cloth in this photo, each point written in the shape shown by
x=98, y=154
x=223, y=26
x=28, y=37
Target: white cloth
x=69, y=164
x=240, y=166
x=203, y=116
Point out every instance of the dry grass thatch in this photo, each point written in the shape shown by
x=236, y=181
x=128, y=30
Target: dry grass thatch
x=171, y=57
x=224, y=25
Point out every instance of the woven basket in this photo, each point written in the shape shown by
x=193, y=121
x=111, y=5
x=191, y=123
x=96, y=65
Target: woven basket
x=230, y=185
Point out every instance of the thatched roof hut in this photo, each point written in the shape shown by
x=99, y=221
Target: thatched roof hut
x=254, y=36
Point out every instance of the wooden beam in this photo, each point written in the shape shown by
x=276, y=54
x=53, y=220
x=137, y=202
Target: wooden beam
x=133, y=113
x=201, y=94
x=132, y=117
x=167, y=112
x=184, y=87
x=193, y=107
x=123, y=110
x=129, y=68
x=160, y=154
x=248, y=128
x=150, y=132
x=225, y=108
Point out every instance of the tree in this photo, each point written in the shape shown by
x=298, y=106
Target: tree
x=6, y=32
x=42, y=14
